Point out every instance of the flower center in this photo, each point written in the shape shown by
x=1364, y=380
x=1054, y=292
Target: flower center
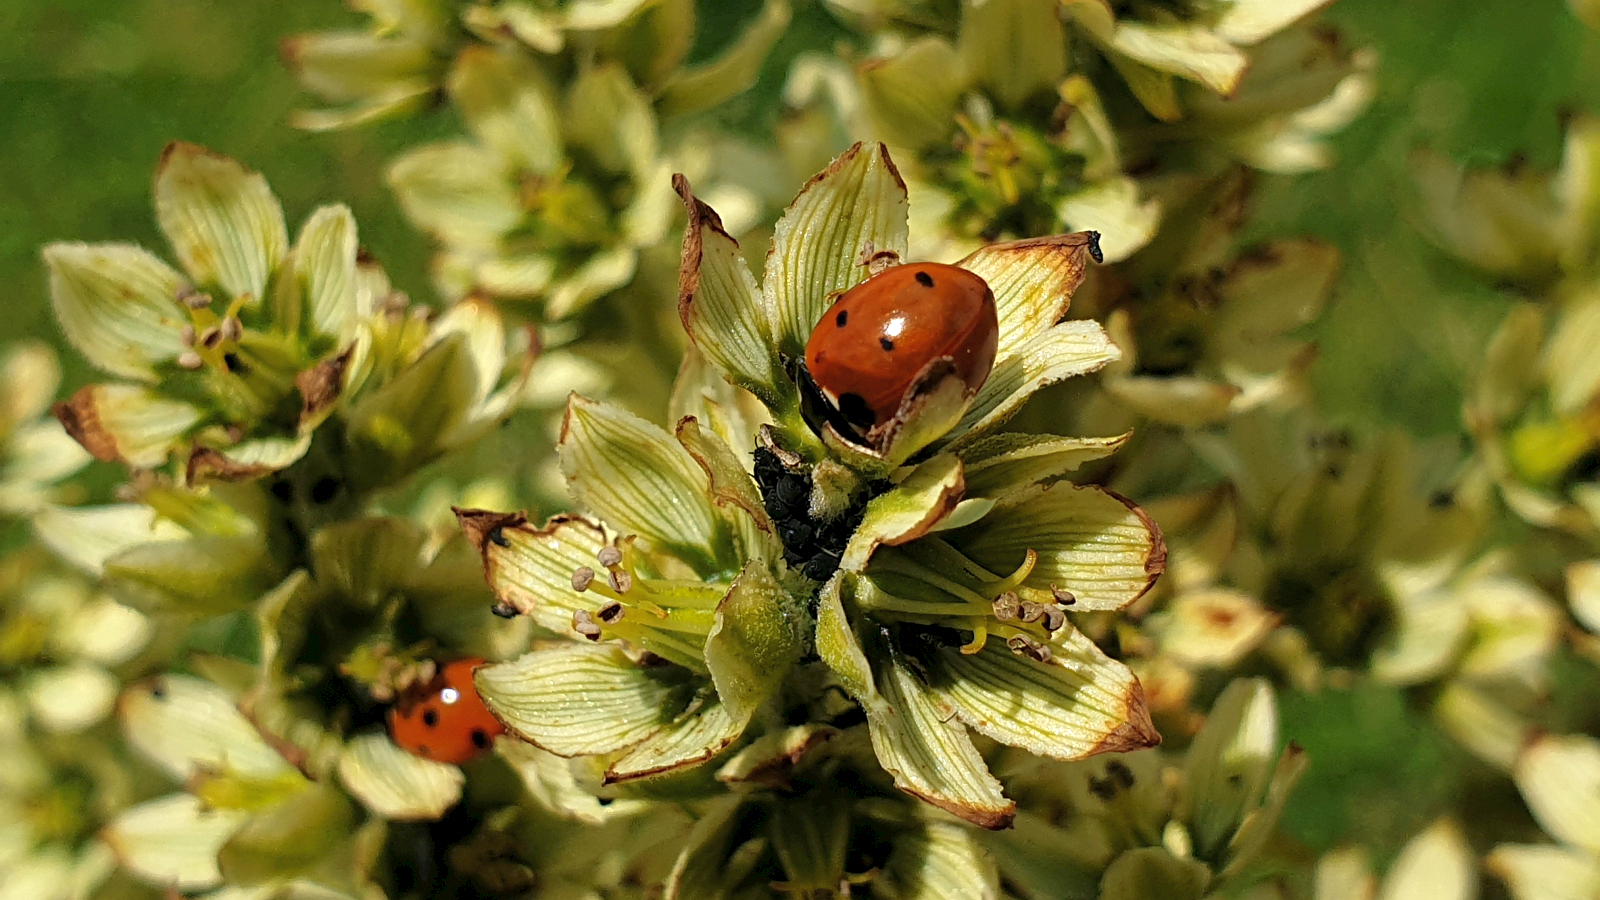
x=670, y=618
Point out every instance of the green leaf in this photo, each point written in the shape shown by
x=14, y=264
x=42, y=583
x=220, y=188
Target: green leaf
x=1089, y=541
x=395, y=784
x=1077, y=704
x=580, y=699
x=222, y=219
x=858, y=202
x=117, y=305
x=754, y=643
x=639, y=480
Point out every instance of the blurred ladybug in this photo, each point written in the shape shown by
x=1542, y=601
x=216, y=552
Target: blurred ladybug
x=880, y=335
x=445, y=720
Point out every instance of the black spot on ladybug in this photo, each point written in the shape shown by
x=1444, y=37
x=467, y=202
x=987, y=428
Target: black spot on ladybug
x=326, y=488
x=480, y=738
x=497, y=536
x=430, y=717
x=841, y=318
x=924, y=279
x=856, y=411
x=885, y=343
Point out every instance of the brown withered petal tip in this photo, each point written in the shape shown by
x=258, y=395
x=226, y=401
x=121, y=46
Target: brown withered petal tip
x=77, y=414
x=1137, y=733
x=481, y=525
x=321, y=385
x=207, y=464
x=994, y=819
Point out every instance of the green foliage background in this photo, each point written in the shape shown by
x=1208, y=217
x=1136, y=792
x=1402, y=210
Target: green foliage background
x=90, y=90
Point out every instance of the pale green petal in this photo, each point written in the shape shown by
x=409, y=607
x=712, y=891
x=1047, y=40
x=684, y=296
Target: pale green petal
x=40, y=455
x=710, y=864
x=602, y=273
x=1515, y=628
x=771, y=758
x=1186, y=51
x=291, y=837
x=404, y=97
x=1570, y=363
x=45, y=874
x=1077, y=704
x=929, y=754
x=720, y=305
x=87, y=536
x=188, y=726
x=1033, y=282
x=1544, y=872
x=409, y=421
x=1251, y=21
x=1000, y=464
x=117, y=305
x=1431, y=630
x=639, y=480
x=516, y=277
x=325, y=266
x=911, y=97
x=1481, y=723
x=693, y=738
x=731, y=73
x=1070, y=348
x=484, y=331
x=104, y=631
x=70, y=697
x=507, y=105
x=395, y=784
x=1345, y=874
x=1114, y=209
x=127, y=423
x=907, y=511
x=367, y=561
x=1230, y=763
x=248, y=460
x=754, y=641
x=173, y=840
x=941, y=860
x=732, y=488
x=1583, y=592
x=1435, y=865
x=30, y=374
x=1559, y=777
x=857, y=203
x=580, y=699
x=839, y=647
x=348, y=66
x=609, y=120
x=1214, y=627
x=458, y=192
x=1147, y=872
x=550, y=780
x=222, y=219
x=1090, y=542
x=1183, y=400
x=1015, y=48
x=203, y=576
x=530, y=569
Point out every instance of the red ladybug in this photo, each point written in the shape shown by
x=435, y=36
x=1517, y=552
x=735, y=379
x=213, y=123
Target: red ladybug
x=875, y=339
x=445, y=720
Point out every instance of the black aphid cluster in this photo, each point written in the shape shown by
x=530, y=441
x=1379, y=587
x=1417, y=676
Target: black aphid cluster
x=811, y=546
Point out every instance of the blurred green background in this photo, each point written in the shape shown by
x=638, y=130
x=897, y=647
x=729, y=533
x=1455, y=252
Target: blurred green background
x=90, y=90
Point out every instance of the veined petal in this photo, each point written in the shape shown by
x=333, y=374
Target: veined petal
x=1187, y=51
x=929, y=755
x=507, y=105
x=395, y=784
x=580, y=699
x=1250, y=21
x=753, y=643
x=1077, y=704
x=911, y=97
x=1000, y=464
x=1033, y=282
x=530, y=569
x=1113, y=208
x=1089, y=541
x=1188, y=401
x=173, y=840
x=1070, y=348
x=126, y=423
x=1559, y=777
x=638, y=479
x=347, y=66
x=839, y=647
x=691, y=739
x=188, y=727
x=858, y=202
x=1230, y=762
x=1435, y=865
x=87, y=536
x=721, y=306
x=610, y=120
x=907, y=511
x=117, y=305
x=458, y=192
x=940, y=860
x=551, y=782
x=325, y=266
x=1545, y=872
x=222, y=219
x=732, y=488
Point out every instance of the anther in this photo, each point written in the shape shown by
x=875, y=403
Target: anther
x=1031, y=612
x=1063, y=596
x=1023, y=645
x=187, y=335
x=611, y=612
x=620, y=581
x=582, y=577
x=609, y=556
x=232, y=328
x=189, y=359
x=1006, y=606
x=584, y=624
x=211, y=337
x=193, y=298
x=1054, y=619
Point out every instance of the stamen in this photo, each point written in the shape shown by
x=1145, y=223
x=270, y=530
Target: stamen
x=609, y=556
x=620, y=581
x=1006, y=606
x=187, y=335
x=1023, y=645
x=582, y=577
x=611, y=612
x=1031, y=612
x=211, y=338
x=193, y=298
x=1063, y=596
x=1054, y=619
x=190, y=360
x=980, y=636
x=232, y=328
x=584, y=624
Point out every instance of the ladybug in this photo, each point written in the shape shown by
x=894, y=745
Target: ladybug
x=878, y=336
x=445, y=720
